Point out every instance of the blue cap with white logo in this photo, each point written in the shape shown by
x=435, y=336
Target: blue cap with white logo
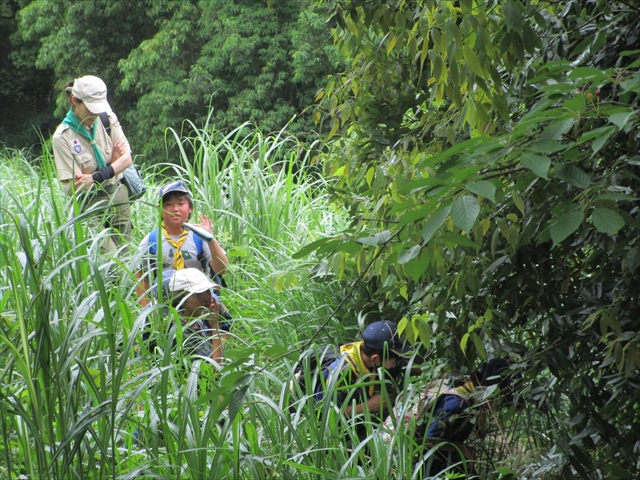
x=176, y=186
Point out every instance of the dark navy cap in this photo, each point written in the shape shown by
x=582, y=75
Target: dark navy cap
x=378, y=333
x=176, y=186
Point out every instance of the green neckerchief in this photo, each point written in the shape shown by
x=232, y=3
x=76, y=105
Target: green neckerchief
x=74, y=124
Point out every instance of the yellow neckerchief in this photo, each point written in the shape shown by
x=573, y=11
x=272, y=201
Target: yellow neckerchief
x=465, y=390
x=352, y=353
x=178, y=261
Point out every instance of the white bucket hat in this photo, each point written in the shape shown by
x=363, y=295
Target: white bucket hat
x=190, y=280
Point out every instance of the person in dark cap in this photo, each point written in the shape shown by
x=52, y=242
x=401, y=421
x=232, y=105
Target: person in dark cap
x=181, y=248
x=357, y=365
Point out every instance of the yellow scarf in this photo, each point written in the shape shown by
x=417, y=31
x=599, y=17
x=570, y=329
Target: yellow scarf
x=178, y=261
x=354, y=359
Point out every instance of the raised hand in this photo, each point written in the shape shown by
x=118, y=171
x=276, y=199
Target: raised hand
x=205, y=223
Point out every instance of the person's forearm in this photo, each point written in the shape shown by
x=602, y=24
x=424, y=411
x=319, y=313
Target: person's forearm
x=121, y=163
x=373, y=405
x=219, y=261
x=216, y=341
x=104, y=174
x=142, y=289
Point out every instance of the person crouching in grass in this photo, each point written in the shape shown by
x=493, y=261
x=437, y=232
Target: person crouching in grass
x=191, y=294
x=447, y=410
x=353, y=378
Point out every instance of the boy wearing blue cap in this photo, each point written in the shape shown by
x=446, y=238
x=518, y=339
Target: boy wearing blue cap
x=358, y=362
x=181, y=248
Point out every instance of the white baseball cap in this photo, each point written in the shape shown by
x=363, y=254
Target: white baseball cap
x=93, y=93
x=190, y=280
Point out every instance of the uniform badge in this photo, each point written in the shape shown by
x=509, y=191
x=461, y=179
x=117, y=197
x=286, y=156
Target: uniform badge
x=75, y=143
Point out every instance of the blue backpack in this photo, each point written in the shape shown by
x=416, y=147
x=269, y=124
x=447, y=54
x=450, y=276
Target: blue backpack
x=153, y=250
x=153, y=247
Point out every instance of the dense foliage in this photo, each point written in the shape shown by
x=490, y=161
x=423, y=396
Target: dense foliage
x=165, y=62
x=489, y=155
x=483, y=160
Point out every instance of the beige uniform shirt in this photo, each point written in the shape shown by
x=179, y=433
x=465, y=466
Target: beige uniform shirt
x=73, y=153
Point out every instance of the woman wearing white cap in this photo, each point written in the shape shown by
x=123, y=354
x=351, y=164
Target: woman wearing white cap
x=89, y=160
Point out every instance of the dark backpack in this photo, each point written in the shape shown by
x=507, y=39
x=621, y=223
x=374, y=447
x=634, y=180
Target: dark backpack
x=311, y=364
x=104, y=118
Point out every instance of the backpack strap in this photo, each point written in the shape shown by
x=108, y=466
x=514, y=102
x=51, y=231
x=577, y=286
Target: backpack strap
x=153, y=249
x=202, y=258
x=153, y=241
x=104, y=118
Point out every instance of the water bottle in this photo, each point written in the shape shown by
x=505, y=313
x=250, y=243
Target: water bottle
x=201, y=232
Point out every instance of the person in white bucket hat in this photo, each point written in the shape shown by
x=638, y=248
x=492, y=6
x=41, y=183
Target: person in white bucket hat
x=192, y=294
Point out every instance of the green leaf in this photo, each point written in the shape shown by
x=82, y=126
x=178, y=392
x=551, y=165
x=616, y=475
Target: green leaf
x=556, y=129
x=621, y=119
x=576, y=103
x=596, y=133
x=573, y=175
x=458, y=239
x=377, y=239
x=237, y=398
x=561, y=88
x=276, y=350
x=477, y=341
x=473, y=61
x=435, y=222
x=369, y=176
x=416, y=268
x=566, y=224
x=409, y=254
x=599, y=142
x=618, y=197
x=349, y=247
x=547, y=146
x=632, y=258
x=463, y=342
x=307, y=249
x=530, y=39
x=513, y=15
x=464, y=212
x=588, y=74
x=423, y=328
x=538, y=164
x=607, y=221
x=483, y=188
x=632, y=83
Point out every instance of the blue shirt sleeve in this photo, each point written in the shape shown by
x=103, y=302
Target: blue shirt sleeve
x=446, y=407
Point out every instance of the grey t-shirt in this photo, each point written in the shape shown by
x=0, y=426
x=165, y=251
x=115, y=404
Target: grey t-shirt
x=188, y=249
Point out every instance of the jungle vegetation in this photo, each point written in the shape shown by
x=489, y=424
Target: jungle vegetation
x=468, y=169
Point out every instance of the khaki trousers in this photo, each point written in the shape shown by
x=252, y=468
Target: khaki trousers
x=117, y=217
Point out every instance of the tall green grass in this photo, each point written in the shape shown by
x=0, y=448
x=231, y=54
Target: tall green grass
x=76, y=402
x=72, y=393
